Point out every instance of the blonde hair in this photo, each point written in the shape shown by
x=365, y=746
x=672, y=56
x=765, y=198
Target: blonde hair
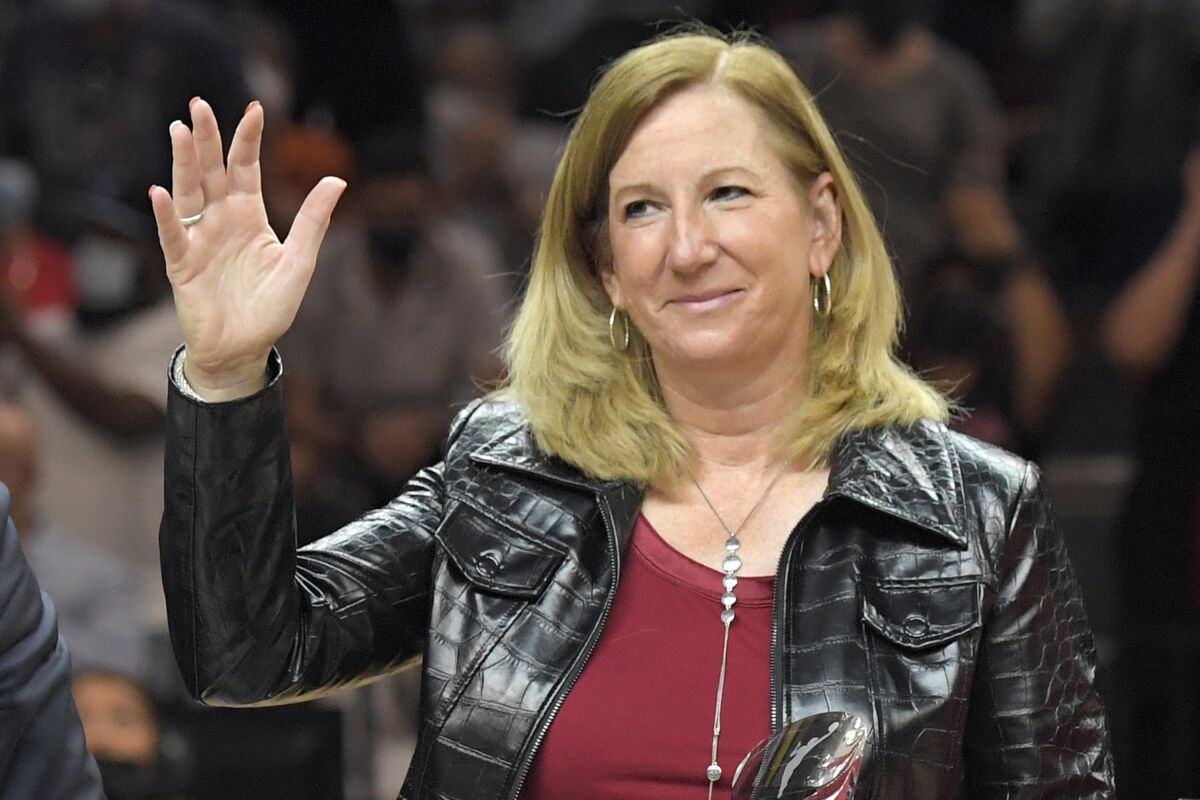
x=601, y=409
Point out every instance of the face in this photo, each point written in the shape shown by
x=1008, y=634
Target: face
x=713, y=241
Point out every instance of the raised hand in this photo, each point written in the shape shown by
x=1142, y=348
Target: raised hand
x=237, y=287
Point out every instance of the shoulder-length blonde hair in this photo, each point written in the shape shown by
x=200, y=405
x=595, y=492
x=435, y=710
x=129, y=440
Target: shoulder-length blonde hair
x=601, y=409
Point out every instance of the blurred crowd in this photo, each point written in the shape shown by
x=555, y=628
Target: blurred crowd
x=1035, y=166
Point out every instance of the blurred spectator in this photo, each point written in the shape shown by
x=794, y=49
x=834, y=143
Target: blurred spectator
x=101, y=615
x=88, y=88
x=993, y=334
x=1152, y=331
x=401, y=322
x=295, y=156
x=959, y=342
x=42, y=751
x=918, y=123
x=1102, y=184
x=138, y=759
x=494, y=166
x=564, y=43
x=400, y=327
x=98, y=390
x=35, y=271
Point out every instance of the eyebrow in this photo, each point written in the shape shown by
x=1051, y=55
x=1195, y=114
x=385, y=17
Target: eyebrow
x=648, y=188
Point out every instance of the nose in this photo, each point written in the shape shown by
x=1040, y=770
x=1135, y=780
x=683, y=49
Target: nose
x=693, y=243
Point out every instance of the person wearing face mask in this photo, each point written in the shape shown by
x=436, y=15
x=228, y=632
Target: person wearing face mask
x=95, y=391
x=426, y=300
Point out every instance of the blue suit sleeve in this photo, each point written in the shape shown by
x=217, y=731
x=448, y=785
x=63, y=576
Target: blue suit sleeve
x=42, y=749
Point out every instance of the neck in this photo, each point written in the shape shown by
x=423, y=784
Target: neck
x=732, y=423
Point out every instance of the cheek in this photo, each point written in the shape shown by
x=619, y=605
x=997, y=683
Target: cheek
x=636, y=257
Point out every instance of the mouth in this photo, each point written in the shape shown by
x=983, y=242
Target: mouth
x=707, y=301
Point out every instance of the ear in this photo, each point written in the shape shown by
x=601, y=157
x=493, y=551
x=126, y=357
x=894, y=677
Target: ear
x=600, y=251
x=825, y=208
x=612, y=285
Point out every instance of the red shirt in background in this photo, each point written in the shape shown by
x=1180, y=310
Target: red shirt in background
x=38, y=275
x=638, y=723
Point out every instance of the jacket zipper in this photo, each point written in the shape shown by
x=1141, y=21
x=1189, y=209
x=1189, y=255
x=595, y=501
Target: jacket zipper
x=780, y=592
x=581, y=662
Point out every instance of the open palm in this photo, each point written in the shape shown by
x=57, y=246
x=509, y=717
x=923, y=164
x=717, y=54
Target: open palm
x=237, y=287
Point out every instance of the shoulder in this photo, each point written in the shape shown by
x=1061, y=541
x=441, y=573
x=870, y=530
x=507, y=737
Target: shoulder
x=991, y=480
x=485, y=421
x=996, y=487
x=494, y=433
x=961, y=488
x=980, y=461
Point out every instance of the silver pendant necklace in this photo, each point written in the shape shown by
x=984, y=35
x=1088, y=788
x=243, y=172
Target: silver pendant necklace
x=730, y=566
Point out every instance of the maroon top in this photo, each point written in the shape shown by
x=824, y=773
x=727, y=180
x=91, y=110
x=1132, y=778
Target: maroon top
x=638, y=723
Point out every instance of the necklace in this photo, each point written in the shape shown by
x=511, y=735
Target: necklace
x=730, y=566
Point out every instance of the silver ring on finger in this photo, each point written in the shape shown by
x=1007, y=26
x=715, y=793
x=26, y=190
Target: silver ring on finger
x=194, y=218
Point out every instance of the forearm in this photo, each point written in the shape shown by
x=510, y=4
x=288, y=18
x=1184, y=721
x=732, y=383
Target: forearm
x=122, y=413
x=1147, y=318
x=251, y=620
x=1042, y=344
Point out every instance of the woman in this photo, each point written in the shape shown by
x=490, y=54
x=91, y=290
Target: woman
x=708, y=501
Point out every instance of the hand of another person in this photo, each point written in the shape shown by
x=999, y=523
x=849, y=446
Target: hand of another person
x=237, y=287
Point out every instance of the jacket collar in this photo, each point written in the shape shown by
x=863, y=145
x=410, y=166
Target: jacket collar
x=909, y=473
x=517, y=450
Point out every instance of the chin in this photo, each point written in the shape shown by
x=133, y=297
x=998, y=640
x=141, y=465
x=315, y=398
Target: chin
x=707, y=353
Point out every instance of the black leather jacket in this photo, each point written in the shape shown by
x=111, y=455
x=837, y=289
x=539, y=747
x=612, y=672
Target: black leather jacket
x=927, y=592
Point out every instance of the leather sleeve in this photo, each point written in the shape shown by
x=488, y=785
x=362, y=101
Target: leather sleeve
x=253, y=620
x=1036, y=726
x=42, y=749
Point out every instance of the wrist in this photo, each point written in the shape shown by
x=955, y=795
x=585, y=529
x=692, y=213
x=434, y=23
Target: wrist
x=228, y=383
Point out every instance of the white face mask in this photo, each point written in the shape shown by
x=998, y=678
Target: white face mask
x=106, y=273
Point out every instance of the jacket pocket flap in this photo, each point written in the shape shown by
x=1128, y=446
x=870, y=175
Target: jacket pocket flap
x=921, y=614
x=495, y=556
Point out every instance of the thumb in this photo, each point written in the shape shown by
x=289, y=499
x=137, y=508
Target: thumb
x=312, y=220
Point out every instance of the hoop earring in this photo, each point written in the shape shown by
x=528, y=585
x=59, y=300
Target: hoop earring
x=822, y=307
x=612, y=334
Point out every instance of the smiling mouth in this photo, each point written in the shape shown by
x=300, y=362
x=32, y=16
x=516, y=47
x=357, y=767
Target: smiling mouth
x=707, y=302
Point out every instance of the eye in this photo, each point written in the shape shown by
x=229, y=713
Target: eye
x=729, y=193
x=638, y=208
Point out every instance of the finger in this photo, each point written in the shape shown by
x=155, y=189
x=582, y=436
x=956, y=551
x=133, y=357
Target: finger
x=209, y=155
x=171, y=233
x=185, y=172
x=244, y=173
x=312, y=220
